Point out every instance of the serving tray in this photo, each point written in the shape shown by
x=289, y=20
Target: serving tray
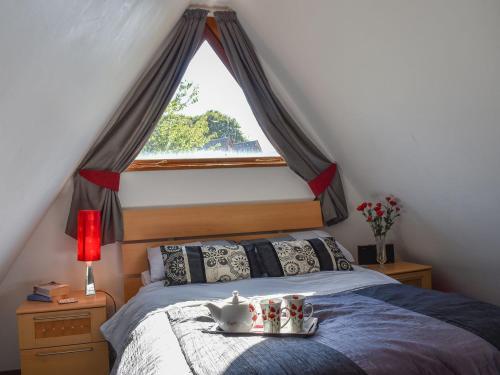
x=309, y=329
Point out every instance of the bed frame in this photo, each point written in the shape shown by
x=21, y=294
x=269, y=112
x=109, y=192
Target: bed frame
x=147, y=227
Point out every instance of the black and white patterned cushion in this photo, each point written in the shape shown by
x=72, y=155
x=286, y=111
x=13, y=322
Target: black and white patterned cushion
x=296, y=257
x=340, y=261
x=225, y=263
x=204, y=264
x=287, y=258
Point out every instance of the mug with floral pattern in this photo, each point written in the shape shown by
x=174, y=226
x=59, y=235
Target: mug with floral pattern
x=271, y=311
x=295, y=304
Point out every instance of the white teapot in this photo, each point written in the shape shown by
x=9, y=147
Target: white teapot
x=235, y=314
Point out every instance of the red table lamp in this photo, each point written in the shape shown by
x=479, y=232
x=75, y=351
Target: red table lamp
x=89, y=243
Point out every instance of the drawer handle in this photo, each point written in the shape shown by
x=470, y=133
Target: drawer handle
x=65, y=352
x=62, y=317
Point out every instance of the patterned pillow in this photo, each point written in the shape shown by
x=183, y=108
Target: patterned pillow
x=341, y=262
x=204, y=264
x=296, y=257
x=331, y=258
x=176, y=264
x=286, y=258
x=225, y=263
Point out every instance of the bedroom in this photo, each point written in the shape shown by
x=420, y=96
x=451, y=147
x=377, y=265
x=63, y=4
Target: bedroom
x=402, y=95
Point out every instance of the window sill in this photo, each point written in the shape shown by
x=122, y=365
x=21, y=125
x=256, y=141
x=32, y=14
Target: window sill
x=165, y=164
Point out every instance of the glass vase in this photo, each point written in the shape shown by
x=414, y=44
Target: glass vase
x=381, y=253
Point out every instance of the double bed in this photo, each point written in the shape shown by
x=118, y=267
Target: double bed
x=369, y=323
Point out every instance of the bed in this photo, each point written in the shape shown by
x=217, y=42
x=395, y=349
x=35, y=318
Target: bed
x=369, y=323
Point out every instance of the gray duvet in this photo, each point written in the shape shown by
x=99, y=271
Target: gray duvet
x=377, y=327
x=362, y=332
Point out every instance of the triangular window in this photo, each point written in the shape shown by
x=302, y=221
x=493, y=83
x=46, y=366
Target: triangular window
x=208, y=118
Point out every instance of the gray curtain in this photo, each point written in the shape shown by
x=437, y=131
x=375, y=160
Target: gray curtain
x=302, y=156
x=132, y=124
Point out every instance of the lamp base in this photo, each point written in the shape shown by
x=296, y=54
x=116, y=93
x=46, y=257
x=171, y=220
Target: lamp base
x=89, y=281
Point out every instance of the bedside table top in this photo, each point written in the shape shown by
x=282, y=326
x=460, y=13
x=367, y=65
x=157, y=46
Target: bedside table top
x=398, y=268
x=84, y=302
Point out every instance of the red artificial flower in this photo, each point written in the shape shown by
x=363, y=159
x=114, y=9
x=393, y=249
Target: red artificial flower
x=362, y=206
x=300, y=308
x=264, y=317
x=294, y=307
x=254, y=318
x=380, y=213
x=301, y=316
x=369, y=204
x=250, y=306
x=272, y=309
x=293, y=313
x=271, y=316
x=388, y=199
x=393, y=203
x=369, y=219
x=378, y=205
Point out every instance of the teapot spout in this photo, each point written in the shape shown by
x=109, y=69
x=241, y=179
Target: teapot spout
x=214, y=310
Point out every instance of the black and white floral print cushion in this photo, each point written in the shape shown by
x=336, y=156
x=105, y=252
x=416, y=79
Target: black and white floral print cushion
x=339, y=260
x=229, y=262
x=176, y=265
x=204, y=264
x=296, y=257
x=225, y=263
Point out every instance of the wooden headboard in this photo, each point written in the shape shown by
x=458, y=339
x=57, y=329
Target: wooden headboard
x=149, y=227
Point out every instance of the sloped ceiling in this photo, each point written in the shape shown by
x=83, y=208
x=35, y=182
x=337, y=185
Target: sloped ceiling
x=405, y=95
x=64, y=67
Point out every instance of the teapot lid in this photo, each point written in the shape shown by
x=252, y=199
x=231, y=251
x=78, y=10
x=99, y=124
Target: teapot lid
x=236, y=299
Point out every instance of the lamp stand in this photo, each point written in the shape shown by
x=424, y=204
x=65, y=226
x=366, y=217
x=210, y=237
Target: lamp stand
x=89, y=281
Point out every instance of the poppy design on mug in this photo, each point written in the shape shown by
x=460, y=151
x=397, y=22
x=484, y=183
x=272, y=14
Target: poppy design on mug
x=296, y=305
x=271, y=315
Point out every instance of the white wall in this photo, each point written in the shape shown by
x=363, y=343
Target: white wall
x=407, y=95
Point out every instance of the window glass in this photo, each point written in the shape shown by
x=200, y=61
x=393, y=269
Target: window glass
x=208, y=117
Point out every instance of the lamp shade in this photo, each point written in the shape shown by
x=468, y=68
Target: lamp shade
x=89, y=235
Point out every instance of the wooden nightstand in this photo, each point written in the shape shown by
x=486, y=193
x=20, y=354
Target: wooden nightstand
x=407, y=273
x=63, y=339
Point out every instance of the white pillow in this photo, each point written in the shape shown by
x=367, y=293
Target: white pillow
x=309, y=234
x=145, y=277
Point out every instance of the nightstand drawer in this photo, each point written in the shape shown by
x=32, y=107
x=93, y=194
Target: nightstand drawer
x=71, y=359
x=420, y=279
x=60, y=327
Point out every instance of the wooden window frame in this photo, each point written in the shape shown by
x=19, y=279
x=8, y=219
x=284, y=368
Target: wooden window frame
x=211, y=34
x=205, y=163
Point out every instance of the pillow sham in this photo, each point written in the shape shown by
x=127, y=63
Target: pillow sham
x=331, y=257
x=204, y=264
x=155, y=259
x=309, y=234
x=287, y=258
x=225, y=263
x=262, y=259
x=296, y=257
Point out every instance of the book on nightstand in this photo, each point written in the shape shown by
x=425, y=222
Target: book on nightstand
x=38, y=298
x=51, y=289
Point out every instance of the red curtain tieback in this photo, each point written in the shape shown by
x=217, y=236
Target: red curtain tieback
x=321, y=182
x=105, y=179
